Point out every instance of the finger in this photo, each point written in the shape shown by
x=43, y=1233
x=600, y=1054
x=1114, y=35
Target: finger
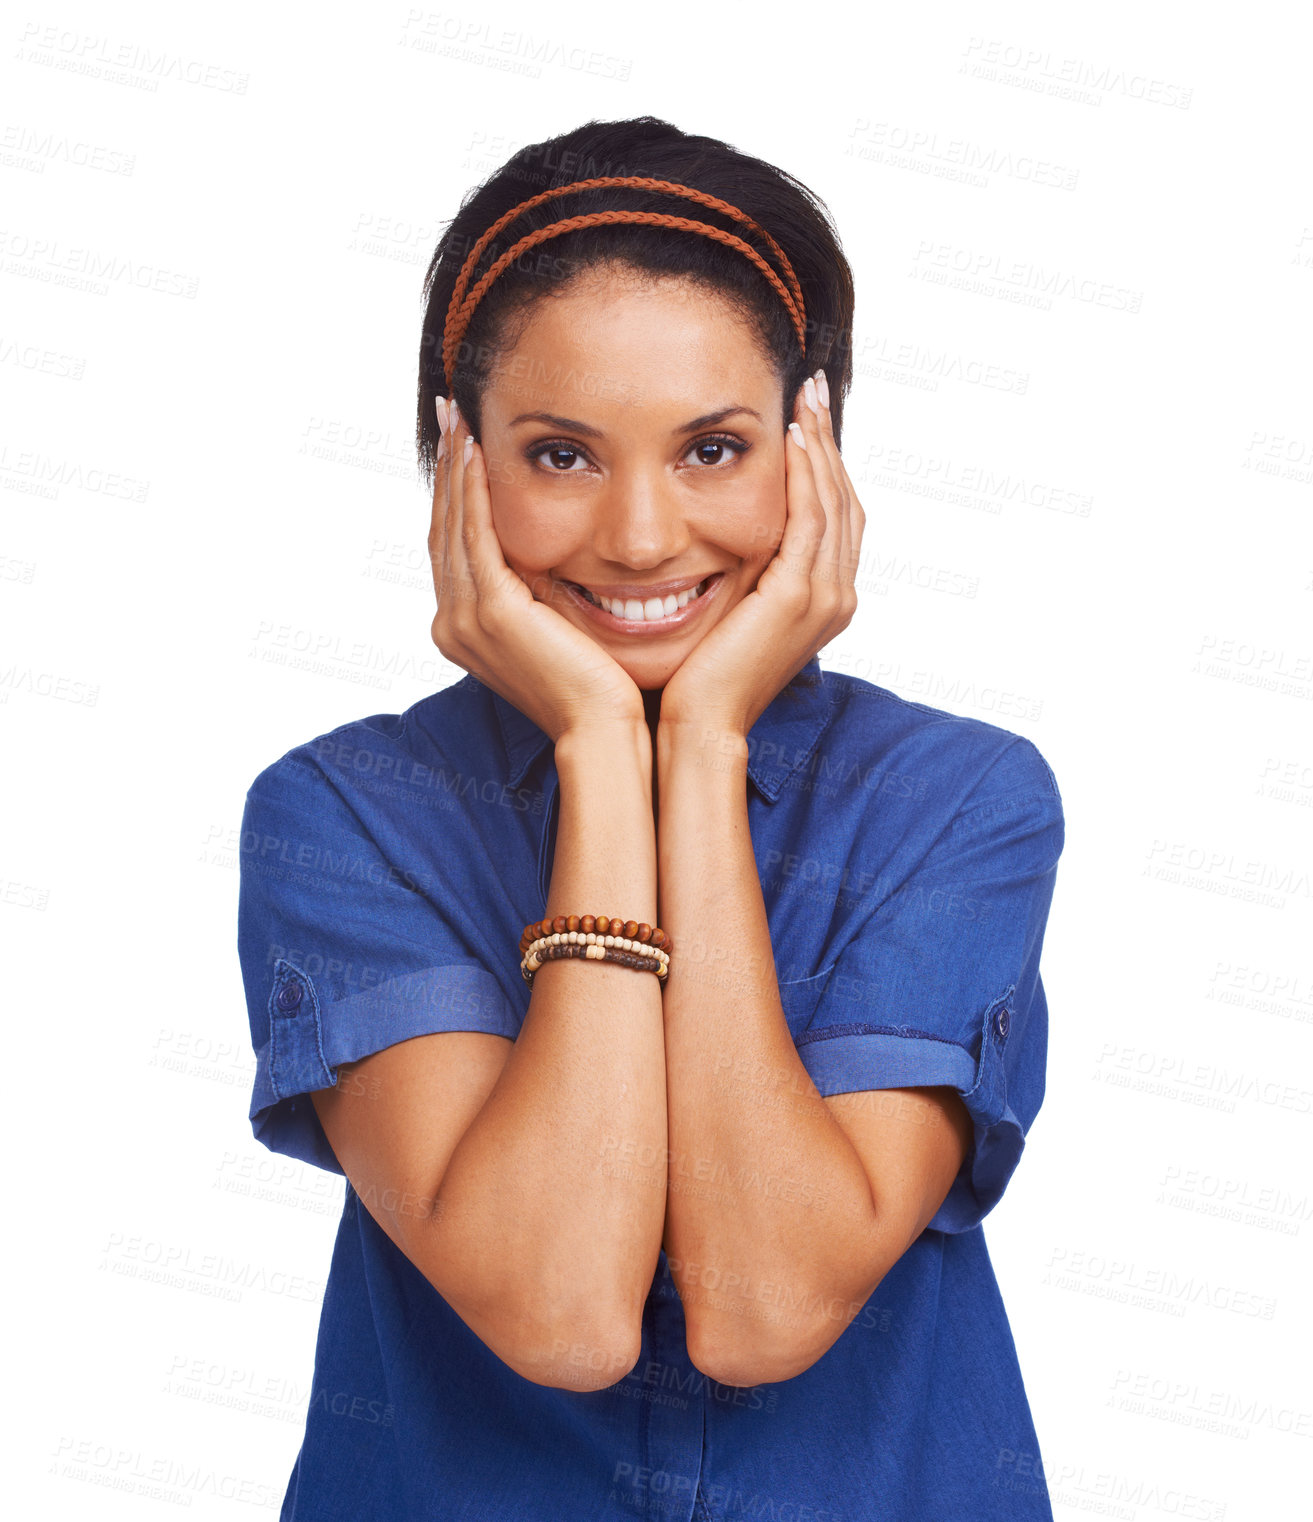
x=462, y=586
x=438, y=517
x=830, y=495
x=804, y=526
x=825, y=426
x=830, y=556
x=487, y=561
x=852, y=517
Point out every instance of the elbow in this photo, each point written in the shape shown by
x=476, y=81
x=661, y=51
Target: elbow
x=580, y=1345
x=745, y=1366
x=765, y=1354
x=577, y=1352
x=578, y=1357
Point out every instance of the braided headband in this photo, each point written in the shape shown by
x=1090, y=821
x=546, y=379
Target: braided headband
x=461, y=307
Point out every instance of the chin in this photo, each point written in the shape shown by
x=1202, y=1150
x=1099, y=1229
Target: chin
x=650, y=673
x=648, y=670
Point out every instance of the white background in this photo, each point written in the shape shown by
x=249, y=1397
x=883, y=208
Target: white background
x=1082, y=433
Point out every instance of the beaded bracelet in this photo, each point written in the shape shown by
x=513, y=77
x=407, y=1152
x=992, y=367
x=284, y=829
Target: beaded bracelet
x=599, y=945
x=597, y=938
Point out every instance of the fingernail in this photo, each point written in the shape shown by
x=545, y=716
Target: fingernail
x=823, y=388
x=797, y=435
x=453, y=415
x=809, y=395
x=469, y=448
x=440, y=407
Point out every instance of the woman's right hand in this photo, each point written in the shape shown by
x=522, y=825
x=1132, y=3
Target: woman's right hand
x=490, y=623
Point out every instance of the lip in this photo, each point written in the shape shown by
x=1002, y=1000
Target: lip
x=676, y=621
x=655, y=589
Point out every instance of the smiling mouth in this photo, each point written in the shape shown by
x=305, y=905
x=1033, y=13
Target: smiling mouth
x=638, y=610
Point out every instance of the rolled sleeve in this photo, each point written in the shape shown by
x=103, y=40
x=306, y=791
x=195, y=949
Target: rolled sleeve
x=342, y=954
x=941, y=985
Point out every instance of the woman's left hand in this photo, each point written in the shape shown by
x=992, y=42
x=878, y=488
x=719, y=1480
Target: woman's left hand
x=804, y=597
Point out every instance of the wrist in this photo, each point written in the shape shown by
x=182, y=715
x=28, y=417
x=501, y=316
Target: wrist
x=603, y=750
x=702, y=743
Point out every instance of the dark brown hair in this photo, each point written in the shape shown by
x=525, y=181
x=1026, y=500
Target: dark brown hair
x=647, y=146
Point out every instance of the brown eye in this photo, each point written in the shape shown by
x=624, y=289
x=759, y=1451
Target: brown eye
x=561, y=457
x=718, y=450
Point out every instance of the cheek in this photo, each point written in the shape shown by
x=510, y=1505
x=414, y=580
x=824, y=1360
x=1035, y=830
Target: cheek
x=747, y=516
x=533, y=531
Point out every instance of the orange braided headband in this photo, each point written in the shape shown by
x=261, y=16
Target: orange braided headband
x=461, y=307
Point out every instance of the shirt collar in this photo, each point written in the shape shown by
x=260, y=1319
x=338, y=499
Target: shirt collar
x=783, y=739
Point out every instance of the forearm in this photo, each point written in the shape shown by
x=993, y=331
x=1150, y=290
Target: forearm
x=763, y=1181
x=548, y=1220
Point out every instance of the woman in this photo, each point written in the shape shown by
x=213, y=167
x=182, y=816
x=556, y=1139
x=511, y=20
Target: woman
x=693, y=1229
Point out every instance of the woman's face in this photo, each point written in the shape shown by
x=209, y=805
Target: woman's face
x=635, y=447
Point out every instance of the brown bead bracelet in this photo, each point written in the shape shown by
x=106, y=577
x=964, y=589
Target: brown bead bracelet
x=643, y=947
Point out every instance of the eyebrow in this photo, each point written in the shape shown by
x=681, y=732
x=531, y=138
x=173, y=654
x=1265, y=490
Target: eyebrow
x=707, y=420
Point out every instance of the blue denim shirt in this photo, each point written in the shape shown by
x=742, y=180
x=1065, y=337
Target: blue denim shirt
x=907, y=859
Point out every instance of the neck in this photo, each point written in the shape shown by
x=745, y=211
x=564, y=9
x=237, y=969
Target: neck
x=652, y=709
x=652, y=713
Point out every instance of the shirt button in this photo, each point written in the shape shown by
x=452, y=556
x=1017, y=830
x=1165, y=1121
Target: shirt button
x=289, y=996
x=1002, y=1021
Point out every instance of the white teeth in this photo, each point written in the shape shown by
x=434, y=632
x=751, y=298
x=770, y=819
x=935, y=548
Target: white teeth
x=645, y=612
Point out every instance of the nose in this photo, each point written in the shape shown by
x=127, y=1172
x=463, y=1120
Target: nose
x=639, y=519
